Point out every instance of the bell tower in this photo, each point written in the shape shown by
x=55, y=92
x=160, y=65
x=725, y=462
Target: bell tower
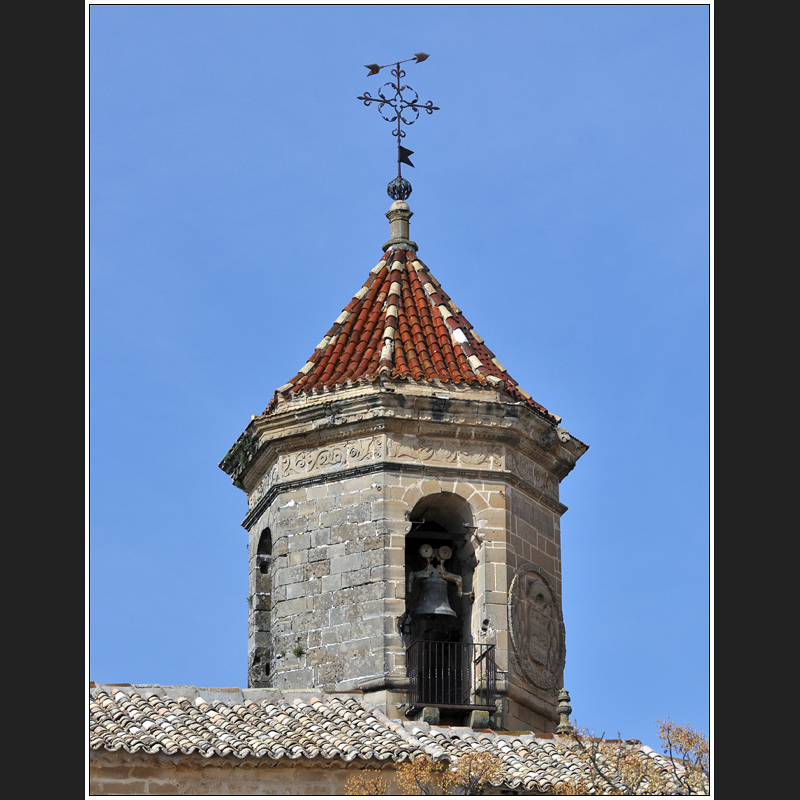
x=404, y=512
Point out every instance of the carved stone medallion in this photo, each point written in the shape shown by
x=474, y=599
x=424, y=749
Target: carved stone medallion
x=537, y=629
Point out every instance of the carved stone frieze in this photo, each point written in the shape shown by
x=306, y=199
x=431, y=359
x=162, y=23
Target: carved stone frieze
x=318, y=460
x=454, y=452
x=537, y=628
x=536, y=476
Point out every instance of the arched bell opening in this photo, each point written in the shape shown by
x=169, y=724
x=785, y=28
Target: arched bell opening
x=260, y=667
x=440, y=568
x=447, y=669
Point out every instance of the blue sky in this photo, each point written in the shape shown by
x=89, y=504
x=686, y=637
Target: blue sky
x=561, y=196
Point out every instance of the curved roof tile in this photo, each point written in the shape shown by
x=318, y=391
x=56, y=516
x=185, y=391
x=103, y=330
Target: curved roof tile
x=157, y=719
x=402, y=324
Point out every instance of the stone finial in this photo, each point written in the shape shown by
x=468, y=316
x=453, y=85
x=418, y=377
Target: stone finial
x=429, y=714
x=399, y=215
x=564, y=710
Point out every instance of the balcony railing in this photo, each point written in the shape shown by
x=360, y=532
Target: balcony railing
x=452, y=675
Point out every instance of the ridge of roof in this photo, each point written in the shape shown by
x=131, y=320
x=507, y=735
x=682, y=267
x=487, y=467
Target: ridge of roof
x=401, y=324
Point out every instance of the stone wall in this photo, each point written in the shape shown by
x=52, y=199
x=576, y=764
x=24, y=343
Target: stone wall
x=122, y=773
x=336, y=579
x=337, y=492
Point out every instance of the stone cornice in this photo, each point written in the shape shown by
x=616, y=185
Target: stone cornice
x=466, y=417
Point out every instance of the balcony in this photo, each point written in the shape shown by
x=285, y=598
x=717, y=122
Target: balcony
x=458, y=676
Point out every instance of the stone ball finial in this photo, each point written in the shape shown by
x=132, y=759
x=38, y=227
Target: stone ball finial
x=564, y=709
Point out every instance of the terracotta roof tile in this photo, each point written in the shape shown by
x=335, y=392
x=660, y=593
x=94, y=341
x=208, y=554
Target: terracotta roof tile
x=276, y=726
x=402, y=324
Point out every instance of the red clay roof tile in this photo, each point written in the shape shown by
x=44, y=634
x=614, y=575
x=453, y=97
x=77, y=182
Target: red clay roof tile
x=402, y=324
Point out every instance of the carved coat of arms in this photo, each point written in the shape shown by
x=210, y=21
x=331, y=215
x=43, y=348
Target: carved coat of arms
x=537, y=629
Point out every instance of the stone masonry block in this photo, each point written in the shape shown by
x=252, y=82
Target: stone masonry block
x=349, y=648
x=478, y=502
x=498, y=598
x=335, y=634
x=366, y=628
x=331, y=583
x=336, y=550
x=261, y=638
x=371, y=609
x=394, y=607
x=297, y=606
x=396, y=528
x=346, y=563
x=389, y=509
x=321, y=604
x=394, y=573
x=288, y=575
x=290, y=497
x=295, y=678
x=492, y=517
x=292, y=525
x=353, y=545
x=496, y=499
x=306, y=508
x=327, y=503
x=301, y=623
x=377, y=573
x=343, y=615
x=305, y=589
x=318, y=569
x=367, y=591
x=551, y=548
x=278, y=593
x=320, y=537
x=373, y=558
x=492, y=535
x=342, y=534
x=463, y=489
x=544, y=561
x=412, y=496
x=395, y=557
x=497, y=614
x=318, y=554
x=316, y=656
x=357, y=577
x=396, y=590
x=394, y=490
x=335, y=518
x=359, y=483
x=317, y=492
x=429, y=486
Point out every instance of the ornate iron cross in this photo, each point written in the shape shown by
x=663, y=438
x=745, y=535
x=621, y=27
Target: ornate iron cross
x=393, y=107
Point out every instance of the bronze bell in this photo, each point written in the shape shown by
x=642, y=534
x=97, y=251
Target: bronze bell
x=433, y=581
x=433, y=597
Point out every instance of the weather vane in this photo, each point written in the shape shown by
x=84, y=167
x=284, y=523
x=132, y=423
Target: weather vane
x=393, y=107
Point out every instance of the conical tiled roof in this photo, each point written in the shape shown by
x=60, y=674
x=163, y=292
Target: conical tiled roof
x=401, y=324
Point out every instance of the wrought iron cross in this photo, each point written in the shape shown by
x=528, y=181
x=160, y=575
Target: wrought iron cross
x=393, y=107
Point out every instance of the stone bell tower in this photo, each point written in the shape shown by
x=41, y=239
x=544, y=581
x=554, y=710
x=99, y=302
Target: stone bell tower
x=404, y=516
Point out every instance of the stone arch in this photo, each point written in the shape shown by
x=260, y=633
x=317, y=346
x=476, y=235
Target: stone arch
x=264, y=548
x=441, y=519
x=260, y=666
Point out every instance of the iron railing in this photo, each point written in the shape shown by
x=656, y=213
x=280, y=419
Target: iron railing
x=454, y=675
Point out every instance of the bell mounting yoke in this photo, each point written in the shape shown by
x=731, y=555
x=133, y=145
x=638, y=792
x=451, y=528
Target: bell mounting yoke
x=439, y=555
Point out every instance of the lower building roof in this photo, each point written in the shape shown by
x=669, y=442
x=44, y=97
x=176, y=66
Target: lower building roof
x=276, y=726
